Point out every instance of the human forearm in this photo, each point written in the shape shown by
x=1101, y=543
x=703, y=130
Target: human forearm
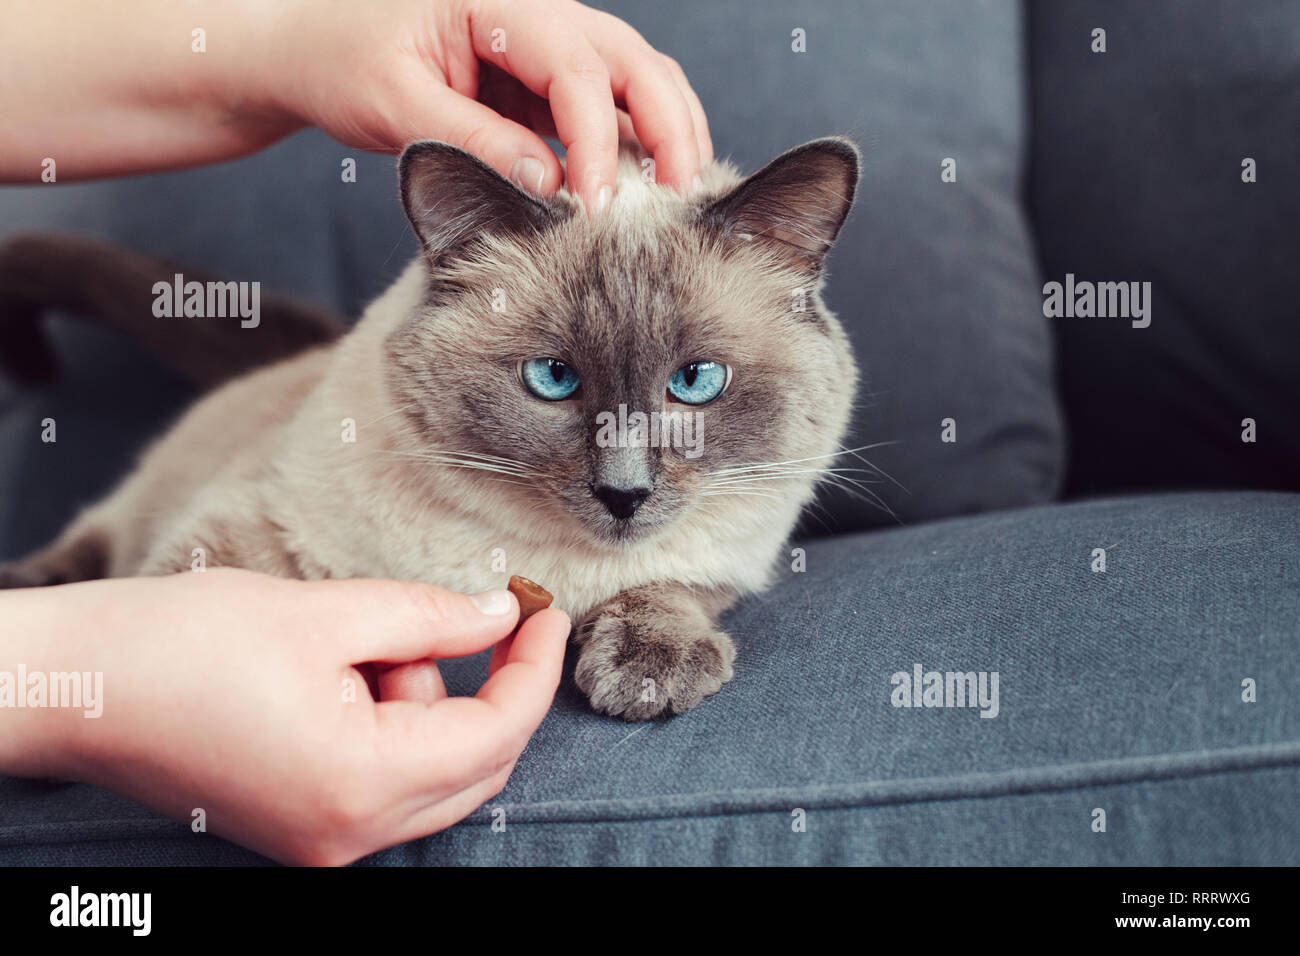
x=486, y=75
x=36, y=641
x=107, y=88
x=241, y=696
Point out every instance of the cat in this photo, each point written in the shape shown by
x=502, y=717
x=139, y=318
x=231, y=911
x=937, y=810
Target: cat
x=460, y=423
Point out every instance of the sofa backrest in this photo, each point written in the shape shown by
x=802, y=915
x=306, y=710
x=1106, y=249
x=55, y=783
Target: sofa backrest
x=1173, y=158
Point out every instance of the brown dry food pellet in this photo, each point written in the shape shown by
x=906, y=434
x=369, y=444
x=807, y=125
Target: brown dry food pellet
x=532, y=597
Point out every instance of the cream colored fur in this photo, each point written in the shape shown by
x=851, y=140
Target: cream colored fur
x=260, y=465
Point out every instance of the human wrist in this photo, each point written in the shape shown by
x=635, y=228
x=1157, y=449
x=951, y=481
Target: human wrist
x=42, y=707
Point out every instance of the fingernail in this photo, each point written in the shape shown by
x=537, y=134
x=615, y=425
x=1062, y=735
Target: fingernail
x=527, y=173
x=697, y=184
x=494, y=602
x=603, y=196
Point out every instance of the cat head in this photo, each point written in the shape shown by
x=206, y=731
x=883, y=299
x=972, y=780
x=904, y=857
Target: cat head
x=619, y=373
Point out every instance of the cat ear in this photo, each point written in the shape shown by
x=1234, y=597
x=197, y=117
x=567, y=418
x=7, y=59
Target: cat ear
x=451, y=198
x=796, y=204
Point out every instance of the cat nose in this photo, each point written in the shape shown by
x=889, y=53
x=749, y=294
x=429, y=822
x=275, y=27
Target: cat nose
x=621, y=502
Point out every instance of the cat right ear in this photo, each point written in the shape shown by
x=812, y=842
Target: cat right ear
x=453, y=198
x=795, y=205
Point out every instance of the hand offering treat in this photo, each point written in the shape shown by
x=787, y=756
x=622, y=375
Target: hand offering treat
x=532, y=597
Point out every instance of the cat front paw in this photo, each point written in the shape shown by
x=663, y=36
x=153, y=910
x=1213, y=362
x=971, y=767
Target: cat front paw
x=639, y=662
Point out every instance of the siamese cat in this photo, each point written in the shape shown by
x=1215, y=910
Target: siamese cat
x=495, y=412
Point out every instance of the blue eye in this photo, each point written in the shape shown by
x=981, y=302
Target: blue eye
x=699, y=382
x=549, y=378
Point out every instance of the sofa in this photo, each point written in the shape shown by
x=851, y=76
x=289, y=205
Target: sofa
x=1095, y=517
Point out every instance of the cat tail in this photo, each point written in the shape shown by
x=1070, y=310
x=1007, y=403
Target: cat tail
x=115, y=287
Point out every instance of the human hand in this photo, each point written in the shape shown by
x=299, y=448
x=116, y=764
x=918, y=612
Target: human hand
x=185, y=84
x=380, y=75
x=228, y=691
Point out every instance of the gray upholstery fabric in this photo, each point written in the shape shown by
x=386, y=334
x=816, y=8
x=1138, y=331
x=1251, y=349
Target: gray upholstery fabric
x=1118, y=690
x=1137, y=175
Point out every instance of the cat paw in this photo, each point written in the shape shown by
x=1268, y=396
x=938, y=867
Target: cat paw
x=640, y=665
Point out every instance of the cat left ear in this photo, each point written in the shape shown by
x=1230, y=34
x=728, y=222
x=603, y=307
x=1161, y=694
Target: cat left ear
x=796, y=204
x=452, y=198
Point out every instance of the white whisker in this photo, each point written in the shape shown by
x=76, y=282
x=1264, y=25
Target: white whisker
x=452, y=461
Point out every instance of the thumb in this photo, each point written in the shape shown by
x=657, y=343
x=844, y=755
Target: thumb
x=510, y=148
x=399, y=621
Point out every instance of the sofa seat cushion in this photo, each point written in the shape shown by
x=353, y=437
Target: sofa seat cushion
x=1119, y=690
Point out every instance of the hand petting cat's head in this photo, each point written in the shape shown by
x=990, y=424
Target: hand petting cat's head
x=668, y=360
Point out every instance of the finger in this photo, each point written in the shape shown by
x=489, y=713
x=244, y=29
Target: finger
x=510, y=148
x=626, y=130
x=440, y=815
x=418, y=681
x=399, y=621
x=541, y=122
x=661, y=115
x=472, y=738
x=704, y=139
x=532, y=668
x=500, y=91
x=553, y=61
x=500, y=655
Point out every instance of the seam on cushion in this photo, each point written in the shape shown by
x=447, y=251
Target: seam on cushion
x=171, y=832
x=743, y=802
x=914, y=790
x=91, y=831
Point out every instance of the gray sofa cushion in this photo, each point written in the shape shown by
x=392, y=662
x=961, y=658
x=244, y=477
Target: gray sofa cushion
x=1119, y=690
x=1137, y=175
x=935, y=280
